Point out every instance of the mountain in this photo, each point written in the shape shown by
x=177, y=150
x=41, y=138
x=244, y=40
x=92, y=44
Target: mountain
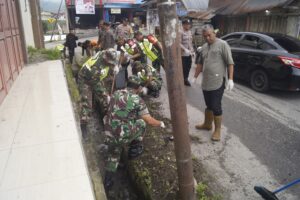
x=51, y=5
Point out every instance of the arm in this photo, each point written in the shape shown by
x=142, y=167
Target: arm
x=151, y=121
x=230, y=71
x=198, y=70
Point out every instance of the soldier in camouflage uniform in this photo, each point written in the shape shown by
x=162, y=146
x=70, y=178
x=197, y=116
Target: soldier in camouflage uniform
x=96, y=77
x=149, y=76
x=125, y=124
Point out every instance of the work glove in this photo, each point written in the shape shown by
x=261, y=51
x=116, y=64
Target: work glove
x=162, y=124
x=144, y=91
x=193, y=80
x=108, y=99
x=199, y=49
x=139, y=74
x=230, y=85
x=116, y=70
x=186, y=51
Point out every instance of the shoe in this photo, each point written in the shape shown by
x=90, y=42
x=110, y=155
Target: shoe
x=108, y=180
x=217, y=133
x=207, y=125
x=187, y=83
x=136, y=148
x=83, y=127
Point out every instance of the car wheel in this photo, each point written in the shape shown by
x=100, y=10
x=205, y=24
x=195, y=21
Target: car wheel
x=259, y=81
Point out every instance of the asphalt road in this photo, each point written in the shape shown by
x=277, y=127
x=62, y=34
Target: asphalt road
x=267, y=124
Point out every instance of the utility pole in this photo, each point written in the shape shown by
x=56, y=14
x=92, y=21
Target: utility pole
x=173, y=66
x=56, y=19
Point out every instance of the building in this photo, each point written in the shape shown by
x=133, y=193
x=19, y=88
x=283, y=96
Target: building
x=17, y=18
x=107, y=10
x=283, y=17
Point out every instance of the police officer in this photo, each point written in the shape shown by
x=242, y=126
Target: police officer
x=96, y=77
x=125, y=124
x=149, y=76
x=151, y=48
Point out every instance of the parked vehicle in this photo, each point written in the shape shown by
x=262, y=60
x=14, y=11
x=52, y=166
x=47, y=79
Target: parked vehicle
x=266, y=61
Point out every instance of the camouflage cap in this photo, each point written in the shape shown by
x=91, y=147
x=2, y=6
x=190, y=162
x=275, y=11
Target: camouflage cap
x=134, y=82
x=137, y=66
x=111, y=56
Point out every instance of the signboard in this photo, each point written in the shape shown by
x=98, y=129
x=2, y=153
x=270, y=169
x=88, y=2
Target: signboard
x=85, y=7
x=51, y=20
x=115, y=10
x=121, y=1
x=68, y=2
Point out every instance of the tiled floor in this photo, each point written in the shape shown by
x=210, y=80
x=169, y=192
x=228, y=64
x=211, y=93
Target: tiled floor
x=41, y=157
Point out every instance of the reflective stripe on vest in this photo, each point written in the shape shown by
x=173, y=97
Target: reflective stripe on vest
x=91, y=62
x=104, y=73
x=146, y=47
x=127, y=49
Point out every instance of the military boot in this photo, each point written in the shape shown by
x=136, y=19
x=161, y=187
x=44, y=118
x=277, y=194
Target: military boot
x=207, y=125
x=135, y=149
x=108, y=180
x=217, y=133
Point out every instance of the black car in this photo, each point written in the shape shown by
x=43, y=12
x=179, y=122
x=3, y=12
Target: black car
x=266, y=61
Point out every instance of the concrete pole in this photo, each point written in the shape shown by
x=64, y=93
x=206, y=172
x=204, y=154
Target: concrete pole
x=173, y=66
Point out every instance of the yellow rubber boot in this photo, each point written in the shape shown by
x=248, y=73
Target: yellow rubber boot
x=217, y=133
x=207, y=125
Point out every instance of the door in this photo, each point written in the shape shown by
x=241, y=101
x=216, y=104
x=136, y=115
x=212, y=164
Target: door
x=11, y=60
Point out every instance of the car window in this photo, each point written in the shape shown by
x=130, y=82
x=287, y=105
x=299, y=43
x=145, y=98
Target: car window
x=254, y=42
x=288, y=43
x=233, y=40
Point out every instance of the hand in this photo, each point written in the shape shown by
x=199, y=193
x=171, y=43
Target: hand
x=145, y=91
x=108, y=99
x=116, y=70
x=230, y=85
x=193, y=80
x=186, y=51
x=139, y=74
x=199, y=49
x=162, y=124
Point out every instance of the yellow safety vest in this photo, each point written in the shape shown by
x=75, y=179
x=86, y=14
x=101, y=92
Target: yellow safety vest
x=91, y=61
x=127, y=49
x=146, y=47
x=104, y=73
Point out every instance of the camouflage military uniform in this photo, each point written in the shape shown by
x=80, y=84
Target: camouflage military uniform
x=149, y=76
x=123, y=124
x=94, y=77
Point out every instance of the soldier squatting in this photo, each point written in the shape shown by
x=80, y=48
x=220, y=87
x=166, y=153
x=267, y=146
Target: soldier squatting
x=123, y=110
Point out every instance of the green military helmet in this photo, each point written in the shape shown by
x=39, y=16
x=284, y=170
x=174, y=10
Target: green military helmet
x=134, y=82
x=111, y=56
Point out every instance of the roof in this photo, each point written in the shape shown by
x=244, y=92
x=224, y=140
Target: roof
x=235, y=7
x=206, y=9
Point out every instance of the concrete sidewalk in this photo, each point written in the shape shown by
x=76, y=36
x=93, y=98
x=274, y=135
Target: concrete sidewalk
x=41, y=157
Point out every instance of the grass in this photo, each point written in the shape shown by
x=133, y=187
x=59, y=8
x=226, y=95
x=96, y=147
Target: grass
x=75, y=96
x=39, y=55
x=201, y=191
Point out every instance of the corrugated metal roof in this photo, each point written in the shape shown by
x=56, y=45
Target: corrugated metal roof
x=195, y=5
x=233, y=7
x=206, y=9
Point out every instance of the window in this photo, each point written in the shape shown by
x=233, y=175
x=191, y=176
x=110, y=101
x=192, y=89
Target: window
x=290, y=44
x=233, y=40
x=254, y=42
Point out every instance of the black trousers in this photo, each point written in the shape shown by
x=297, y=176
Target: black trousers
x=71, y=54
x=186, y=66
x=213, y=100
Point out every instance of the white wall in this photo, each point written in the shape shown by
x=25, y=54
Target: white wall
x=26, y=20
